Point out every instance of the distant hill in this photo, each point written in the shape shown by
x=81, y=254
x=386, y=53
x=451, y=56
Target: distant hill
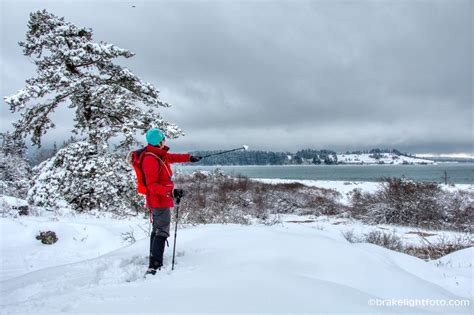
x=311, y=157
x=381, y=158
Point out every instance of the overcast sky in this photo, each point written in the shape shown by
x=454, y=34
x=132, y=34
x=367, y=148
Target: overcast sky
x=283, y=75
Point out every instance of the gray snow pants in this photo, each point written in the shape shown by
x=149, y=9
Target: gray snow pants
x=161, y=221
x=159, y=234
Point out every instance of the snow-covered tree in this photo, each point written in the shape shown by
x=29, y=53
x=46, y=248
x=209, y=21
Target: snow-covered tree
x=109, y=101
x=74, y=70
x=14, y=169
x=104, y=182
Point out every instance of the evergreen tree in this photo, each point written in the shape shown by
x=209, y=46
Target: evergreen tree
x=74, y=70
x=104, y=182
x=108, y=101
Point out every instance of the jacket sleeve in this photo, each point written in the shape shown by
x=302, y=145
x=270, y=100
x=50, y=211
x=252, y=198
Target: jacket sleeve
x=150, y=168
x=178, y=158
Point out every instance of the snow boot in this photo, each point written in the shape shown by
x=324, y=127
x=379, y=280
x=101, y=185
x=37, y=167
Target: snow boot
x=151, y=271
x=157, y=251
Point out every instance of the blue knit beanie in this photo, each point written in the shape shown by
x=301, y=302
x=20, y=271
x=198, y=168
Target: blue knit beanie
x=154, y=136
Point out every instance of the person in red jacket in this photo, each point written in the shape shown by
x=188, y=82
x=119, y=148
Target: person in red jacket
x=160, y=187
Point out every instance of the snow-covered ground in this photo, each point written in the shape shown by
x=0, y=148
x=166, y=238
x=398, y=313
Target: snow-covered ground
x=385, y=158
x=301, y=265
x=292, y=267
x=80, y=238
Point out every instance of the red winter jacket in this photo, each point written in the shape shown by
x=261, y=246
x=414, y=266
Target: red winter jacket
x=157, y=170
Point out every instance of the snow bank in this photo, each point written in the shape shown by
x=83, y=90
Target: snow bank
x=288, y=268
x=341, y=186
x=462, y=258
x=10, y=201
x=80, y=238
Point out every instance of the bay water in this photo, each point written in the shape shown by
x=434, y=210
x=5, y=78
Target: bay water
x=458, y=173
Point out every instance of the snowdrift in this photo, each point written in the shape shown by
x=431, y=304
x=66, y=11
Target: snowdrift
x=287, y=268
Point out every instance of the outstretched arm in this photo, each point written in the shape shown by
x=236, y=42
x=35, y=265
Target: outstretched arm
x=178, y=158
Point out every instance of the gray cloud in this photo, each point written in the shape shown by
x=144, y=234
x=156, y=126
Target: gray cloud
x=286, y=75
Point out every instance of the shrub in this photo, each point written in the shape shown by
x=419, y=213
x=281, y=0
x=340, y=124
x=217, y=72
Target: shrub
x=439, y=249
x=387, y=240
x=14, y=169
x=427, y=250
x=13, y=207
x=350, y=236
x=459, y=208
x=216, y=198
x=419, y=204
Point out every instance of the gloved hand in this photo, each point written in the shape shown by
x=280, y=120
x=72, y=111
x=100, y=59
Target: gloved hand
x=195, y=158
x=178, y=193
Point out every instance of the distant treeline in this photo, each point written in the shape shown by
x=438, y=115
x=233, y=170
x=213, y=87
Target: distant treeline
x=245, y=158
x=306, y=156
x=375, y=151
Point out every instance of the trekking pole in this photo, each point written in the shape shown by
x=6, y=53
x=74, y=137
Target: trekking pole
x=244, y=147
x=175, y=230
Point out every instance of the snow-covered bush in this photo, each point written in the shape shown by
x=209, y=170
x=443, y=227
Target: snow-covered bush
x=13, y=207
x=401, y=202
x=81, y=178
x=422, y=204
x=387, y=240
x=14, y=175
x=459, y=207
x=216, y=198
x=14, y=169
x=428, y=250
x=439, y=248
